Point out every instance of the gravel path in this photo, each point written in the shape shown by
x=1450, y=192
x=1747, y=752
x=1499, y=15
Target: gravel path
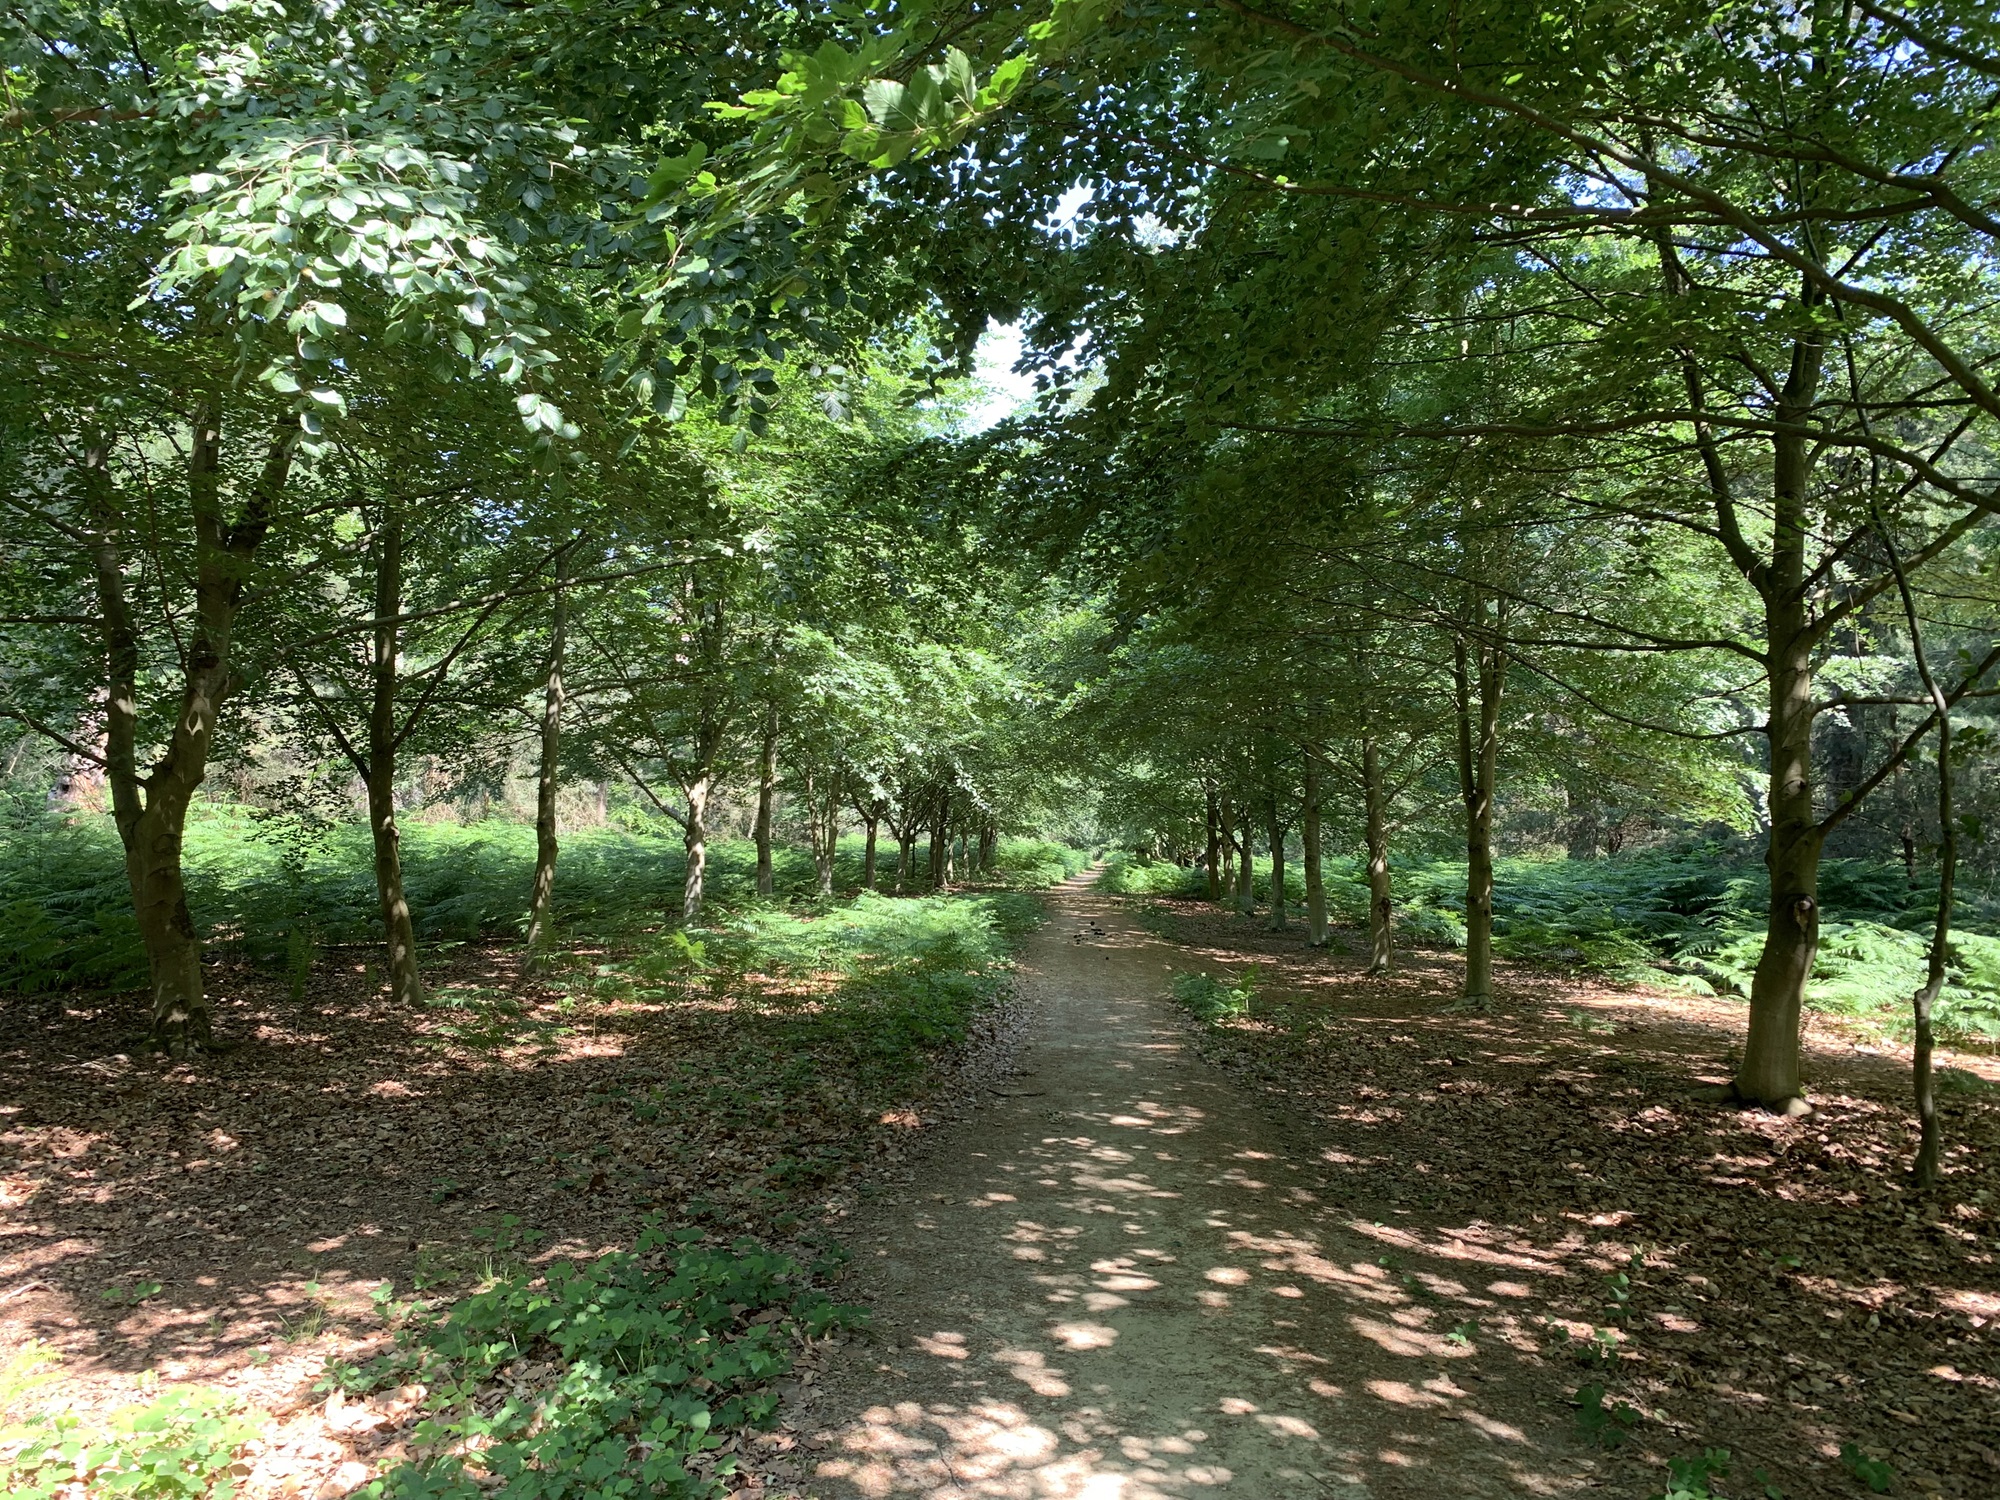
x=1122, y=1281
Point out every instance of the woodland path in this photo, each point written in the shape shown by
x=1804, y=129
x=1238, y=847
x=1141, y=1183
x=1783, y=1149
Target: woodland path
x=1123, y=1280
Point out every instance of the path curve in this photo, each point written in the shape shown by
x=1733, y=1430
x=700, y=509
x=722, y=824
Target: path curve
x=1122, y=1281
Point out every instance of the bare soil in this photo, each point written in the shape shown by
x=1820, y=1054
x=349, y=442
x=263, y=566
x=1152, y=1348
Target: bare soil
x=1355, y=1245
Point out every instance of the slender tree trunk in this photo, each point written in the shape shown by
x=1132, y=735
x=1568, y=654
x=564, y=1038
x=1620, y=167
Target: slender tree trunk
x=1275, y=831
x=872, y=821
x=695, y=842
x=1316, y=934
x=398, y=931
x=541, y=903
x=941, y=841
x=767, y=783
x=1380, y=909
x=825, y=815
x=1213, y=861
x=1930, y=1137
x=989, y=847
x=906, y=856
x=1224, y=817
x=1478, y=756
x=1246, y=871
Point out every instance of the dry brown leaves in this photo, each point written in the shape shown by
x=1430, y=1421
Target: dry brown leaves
x=1787, y=1294
x=225, y=1221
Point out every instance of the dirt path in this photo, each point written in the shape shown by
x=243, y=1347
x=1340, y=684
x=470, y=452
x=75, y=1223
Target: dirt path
x=1125, y=1281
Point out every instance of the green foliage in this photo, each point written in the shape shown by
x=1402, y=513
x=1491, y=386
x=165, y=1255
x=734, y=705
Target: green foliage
x=1690, y=1478
x=178, y=1447
x=1134, y=875
x=66, y=920
x=1213, y=1002
x=1601, y=1422
x=601, y=1380
x=1871, y=1471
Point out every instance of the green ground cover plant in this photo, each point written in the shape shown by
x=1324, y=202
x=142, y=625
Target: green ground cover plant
x=601, y=1380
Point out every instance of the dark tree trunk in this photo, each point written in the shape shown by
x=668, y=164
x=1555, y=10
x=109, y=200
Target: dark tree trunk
x=541, y=903
x=1316, y=933
x=767, y=782
x=151, y=809
x=398, y=932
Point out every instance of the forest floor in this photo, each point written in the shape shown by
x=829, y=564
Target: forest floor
x=1362, y=1246
x=1111, y=1253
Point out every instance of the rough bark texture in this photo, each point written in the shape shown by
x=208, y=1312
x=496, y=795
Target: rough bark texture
x=1315, y=876
x=767, y=784
x=1380, y=908
x=398, y=932
x=1479, y=671
x=541, y=904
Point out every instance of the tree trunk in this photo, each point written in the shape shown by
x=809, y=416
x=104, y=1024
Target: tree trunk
x=1478, y=756
x=541, y=903
x=825, y=816
x=1246, y=870
x=906, y=856
x=1376, y=812
x=1769, y=1074
x=1275, y=832
x=989, y=847
x=695, y=841
x=1224, y=816
x=150, y=811
x=767, y=783
x=940, y=870
x=1213, y=862
x=398, y=932
x=872, y=821
x=1316, y=934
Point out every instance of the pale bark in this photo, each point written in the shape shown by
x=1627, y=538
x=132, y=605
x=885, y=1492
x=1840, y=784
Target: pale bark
x=871, y=822
x=1380, y=909
x=694, y=839
x=1316, y=933
x=541, y=903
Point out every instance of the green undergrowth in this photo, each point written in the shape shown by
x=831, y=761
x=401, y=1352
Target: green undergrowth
x=1212, y=1001
x=257, y=887
x=181, y=1445
x=1134, y=875
x=837, y=1013
x=619, y=1377
x=1687, y=916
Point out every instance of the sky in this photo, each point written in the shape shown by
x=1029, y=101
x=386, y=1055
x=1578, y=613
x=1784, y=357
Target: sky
x=993, y=367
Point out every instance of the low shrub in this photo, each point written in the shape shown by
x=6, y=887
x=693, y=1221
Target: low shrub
x=608, y=1379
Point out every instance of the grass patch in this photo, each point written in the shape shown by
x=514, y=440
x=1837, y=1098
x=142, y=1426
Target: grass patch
x=1211, y=1001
